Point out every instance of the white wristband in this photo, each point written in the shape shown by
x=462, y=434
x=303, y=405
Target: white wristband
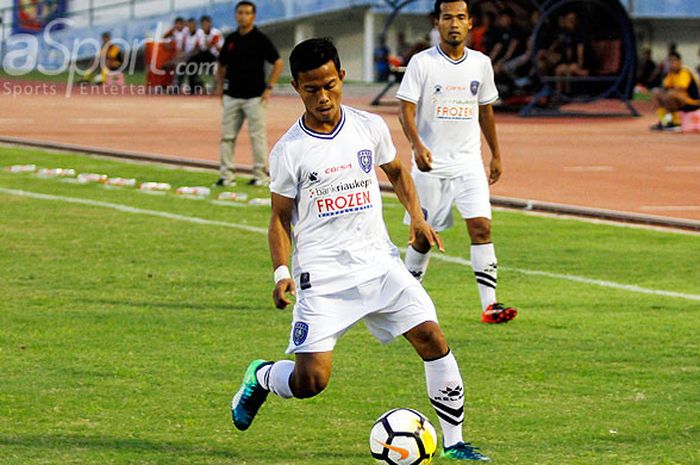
x=282, y=272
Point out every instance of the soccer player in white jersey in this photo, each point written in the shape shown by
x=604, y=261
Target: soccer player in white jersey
x=445, y=97
x=326, y=200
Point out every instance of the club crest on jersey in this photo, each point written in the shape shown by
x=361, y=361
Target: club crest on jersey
x=301, y=330
x=437, y=89
x=474, y=87
x=364, y=157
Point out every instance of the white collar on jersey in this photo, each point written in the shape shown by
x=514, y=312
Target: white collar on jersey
x=454, y=62
x=323, y=135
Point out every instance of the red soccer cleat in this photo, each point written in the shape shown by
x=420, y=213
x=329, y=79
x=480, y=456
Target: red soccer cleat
x=497, y=313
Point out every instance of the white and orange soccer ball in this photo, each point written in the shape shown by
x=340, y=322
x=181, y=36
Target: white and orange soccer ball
x=403, y=437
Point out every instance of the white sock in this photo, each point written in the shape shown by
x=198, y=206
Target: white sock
x=485, y=265
x=275, y=378
x=416, y=262
x=446, y=393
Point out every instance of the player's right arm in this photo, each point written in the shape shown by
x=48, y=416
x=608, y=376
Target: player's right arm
x=280, y=241
x=407, y=117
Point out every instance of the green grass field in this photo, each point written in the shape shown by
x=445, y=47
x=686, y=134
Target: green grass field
x=123, y=335
x=135, y=78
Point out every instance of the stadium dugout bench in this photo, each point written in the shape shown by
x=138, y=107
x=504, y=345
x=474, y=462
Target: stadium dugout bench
x=604, y=81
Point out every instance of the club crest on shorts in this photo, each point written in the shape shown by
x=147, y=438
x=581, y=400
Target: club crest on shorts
x=474, y=87
x=301, y=330
x=364, y=157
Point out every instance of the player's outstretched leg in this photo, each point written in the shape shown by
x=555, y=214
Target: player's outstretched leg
x=250, y=396
x=445, y=389
x=261, y=378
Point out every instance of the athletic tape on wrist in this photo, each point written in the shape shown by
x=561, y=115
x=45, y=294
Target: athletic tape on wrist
x=282, y=272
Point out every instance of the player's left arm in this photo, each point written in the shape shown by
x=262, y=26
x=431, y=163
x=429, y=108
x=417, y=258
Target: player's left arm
x=487, y=122
x=405, y=190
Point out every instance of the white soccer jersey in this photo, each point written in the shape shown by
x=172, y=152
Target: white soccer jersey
x=447, y=94
x=178, y=39
x=340, y=239
x=215, y=38
x=191, y=41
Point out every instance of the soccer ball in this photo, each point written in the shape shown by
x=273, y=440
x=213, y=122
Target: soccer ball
x=403, y=437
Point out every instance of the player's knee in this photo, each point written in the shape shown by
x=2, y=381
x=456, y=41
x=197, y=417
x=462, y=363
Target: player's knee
x=480, y=231
x=428, y=340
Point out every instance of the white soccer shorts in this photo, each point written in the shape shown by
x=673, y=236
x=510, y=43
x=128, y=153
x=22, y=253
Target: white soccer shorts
x=469, y=192
x=390, y=305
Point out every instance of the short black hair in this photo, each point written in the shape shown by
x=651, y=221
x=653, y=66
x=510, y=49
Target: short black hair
x=436, y=10
x=675, y=55
x=179, y=19
x=311, y=54
x=245, y=3
x=205, y=18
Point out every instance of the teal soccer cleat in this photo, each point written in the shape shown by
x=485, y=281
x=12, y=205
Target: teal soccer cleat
x=464, y=451
x=250, y=396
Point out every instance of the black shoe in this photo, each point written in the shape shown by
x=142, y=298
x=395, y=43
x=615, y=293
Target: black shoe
x=221, y=182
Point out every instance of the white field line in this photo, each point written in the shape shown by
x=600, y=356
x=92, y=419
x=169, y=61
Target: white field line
x=137, y=211
x=436, y=256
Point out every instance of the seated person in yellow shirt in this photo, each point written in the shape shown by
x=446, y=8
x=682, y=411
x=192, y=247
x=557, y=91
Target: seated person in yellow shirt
x=679, y=93
x=109, y=63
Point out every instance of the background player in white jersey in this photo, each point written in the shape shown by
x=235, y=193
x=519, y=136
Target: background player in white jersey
x=325, y=197
x=446, y=96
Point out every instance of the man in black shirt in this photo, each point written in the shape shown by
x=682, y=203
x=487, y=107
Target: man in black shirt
x=240, y=79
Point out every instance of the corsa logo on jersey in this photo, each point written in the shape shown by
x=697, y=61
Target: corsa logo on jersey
x=337, y=169
x=344, y=203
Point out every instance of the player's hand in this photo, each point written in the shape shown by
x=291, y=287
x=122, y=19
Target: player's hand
x=265, y=95
x=421, y=228
x=424, y=159
x=495, y=170
x=279, y=295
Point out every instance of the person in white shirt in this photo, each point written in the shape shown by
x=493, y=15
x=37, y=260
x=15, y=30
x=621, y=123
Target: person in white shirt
x=210, y=39
x=326, y=201
x=177, y=35
x=445, y=98
x=190, y=41
x=206, y=45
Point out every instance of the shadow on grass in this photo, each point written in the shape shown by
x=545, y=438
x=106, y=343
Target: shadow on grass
x=64, y=441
